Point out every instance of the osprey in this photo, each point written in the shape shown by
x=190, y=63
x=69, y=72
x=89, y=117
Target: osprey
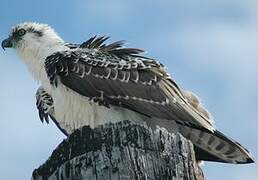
x=93, y=83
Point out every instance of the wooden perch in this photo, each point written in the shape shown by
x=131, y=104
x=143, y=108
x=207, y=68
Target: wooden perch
x=121, y=151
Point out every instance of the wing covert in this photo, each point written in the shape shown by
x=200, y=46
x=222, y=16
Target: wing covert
x=128, y=80
x=45, y=106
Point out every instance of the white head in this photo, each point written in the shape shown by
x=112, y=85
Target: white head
x=33, y=43
x=32, y=37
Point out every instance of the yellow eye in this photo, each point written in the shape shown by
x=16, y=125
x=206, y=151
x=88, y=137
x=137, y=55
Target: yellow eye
x=21, y=32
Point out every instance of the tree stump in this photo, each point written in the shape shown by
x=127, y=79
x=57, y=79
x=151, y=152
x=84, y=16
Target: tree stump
x=121, y=151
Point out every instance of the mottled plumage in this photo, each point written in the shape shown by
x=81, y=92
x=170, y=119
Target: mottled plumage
x=94, y=83
x=45, y=106
x=123, y=79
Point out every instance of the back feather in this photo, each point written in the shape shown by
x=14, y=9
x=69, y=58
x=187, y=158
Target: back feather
x=115, y=48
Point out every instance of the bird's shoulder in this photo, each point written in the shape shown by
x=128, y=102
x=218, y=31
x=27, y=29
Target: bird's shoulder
x=95, y=53
x=96, y=48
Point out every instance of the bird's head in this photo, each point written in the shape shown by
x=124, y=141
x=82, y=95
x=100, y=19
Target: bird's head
x=33, y=43
x=32, y=38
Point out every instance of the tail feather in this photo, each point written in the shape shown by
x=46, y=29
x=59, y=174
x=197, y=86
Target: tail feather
x=215, y=146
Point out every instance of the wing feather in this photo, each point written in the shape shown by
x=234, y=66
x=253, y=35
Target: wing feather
x=45, y=106
x=134, y=82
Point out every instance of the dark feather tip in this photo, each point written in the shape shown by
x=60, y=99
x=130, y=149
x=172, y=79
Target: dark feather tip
x=115, y=48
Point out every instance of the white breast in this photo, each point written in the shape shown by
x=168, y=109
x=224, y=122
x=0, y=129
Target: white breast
x=73, y=111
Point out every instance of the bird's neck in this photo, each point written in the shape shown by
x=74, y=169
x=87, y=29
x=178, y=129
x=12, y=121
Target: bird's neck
x=35, y=56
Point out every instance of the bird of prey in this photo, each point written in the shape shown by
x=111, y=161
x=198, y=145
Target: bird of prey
x=94, y=83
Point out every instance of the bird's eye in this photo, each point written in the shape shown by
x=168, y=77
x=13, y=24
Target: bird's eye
x=21, y=32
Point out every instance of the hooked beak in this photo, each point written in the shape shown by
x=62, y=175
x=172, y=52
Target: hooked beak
x=7, y=43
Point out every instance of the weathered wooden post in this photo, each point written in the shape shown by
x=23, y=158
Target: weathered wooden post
x=121, y=151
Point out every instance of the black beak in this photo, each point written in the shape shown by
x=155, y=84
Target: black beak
x=7, y=43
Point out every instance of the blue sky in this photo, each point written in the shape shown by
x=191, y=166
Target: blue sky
x=208, y=46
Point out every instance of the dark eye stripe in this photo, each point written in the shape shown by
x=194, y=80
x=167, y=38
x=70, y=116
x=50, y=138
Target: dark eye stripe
x=20, y=32
x=38, y=33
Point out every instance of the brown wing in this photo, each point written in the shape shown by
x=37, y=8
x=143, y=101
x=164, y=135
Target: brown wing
x=130, y=81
